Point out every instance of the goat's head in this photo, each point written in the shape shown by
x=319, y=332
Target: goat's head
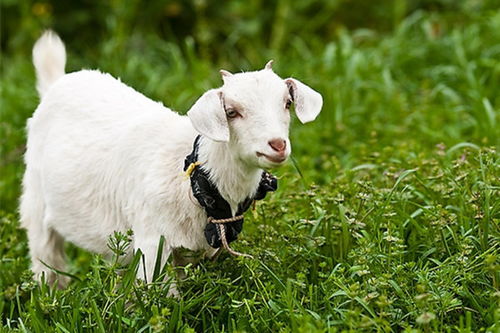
x=251, y=113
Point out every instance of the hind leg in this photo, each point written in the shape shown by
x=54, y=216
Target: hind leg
x=46, y=245
x=47, y=251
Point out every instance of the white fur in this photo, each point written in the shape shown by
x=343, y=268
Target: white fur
x=102, y=157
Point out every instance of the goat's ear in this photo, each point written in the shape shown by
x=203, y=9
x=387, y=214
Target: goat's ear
x=208, y=117
x=307, y=102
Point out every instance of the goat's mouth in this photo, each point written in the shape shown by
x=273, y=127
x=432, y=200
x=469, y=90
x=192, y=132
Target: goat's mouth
x=274, y=159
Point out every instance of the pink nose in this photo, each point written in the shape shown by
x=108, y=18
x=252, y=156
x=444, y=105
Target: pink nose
x=278, y=145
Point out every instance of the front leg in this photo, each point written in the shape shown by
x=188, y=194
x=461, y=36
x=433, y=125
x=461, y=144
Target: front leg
x=149, y=244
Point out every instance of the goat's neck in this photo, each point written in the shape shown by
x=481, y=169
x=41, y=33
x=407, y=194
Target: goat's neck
x=234, y=179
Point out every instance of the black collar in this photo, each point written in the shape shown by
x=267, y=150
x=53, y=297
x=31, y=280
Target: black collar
x=214, y=204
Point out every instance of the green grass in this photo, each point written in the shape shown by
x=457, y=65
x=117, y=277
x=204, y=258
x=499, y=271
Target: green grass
x=387, y=221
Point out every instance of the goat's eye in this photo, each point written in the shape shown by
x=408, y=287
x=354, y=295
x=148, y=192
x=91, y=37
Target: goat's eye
x=232, y=113
x=288, y=104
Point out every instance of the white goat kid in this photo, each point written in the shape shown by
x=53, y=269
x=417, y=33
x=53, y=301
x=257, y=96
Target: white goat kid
x=102, y=157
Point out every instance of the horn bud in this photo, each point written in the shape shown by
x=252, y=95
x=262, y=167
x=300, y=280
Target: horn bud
x=225, y=73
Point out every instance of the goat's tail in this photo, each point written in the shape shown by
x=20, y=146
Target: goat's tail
x=49, y=58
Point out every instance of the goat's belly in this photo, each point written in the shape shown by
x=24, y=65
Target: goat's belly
x=88, y=235
x=83, y=217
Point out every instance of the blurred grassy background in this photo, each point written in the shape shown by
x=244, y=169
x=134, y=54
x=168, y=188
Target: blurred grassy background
x=403, y=230
x=225, y=30
x=375, y=62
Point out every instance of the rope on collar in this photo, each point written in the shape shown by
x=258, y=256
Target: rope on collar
x=222, y=233
x=222, y=221
x=222, y=227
